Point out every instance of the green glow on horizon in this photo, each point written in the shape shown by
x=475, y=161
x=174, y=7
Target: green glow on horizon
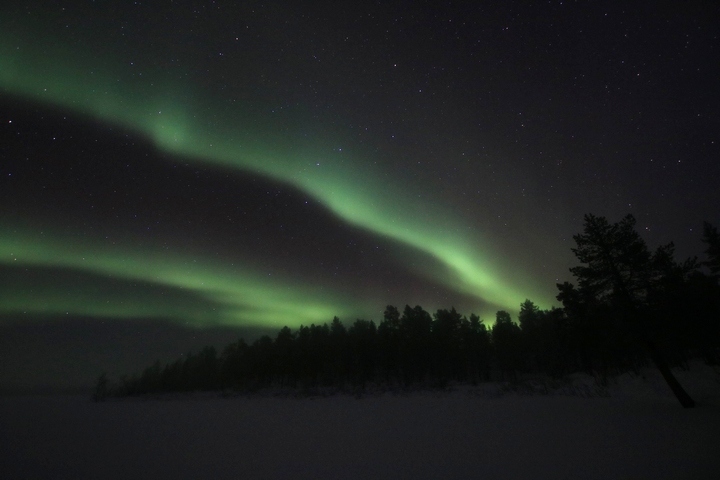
x=161, y=108
x=225, y=294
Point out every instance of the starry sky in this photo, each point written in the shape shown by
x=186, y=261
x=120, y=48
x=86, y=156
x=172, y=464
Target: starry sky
x=180, y=173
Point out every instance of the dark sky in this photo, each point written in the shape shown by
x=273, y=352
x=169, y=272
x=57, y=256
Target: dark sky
x=179, y=173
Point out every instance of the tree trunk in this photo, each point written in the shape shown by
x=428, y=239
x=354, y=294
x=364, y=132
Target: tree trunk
x=667, y=374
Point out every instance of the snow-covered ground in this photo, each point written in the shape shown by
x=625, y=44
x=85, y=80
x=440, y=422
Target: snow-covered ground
x=639, y=432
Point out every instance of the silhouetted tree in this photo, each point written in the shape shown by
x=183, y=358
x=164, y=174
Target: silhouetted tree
x=260, y=359
x=506, y=344
x=389, y=343
x=689, y=305
x=205, y=371
x=339, y=357
x=363, y=344
x=529, y=319
x=285, y=357
x=557, y=353
x=446, y=338
x=620, y=273
x=172, y=378
x=479, y=347
x=235, y=366
x=529, y=316
x=150, y=380
x=415, y=343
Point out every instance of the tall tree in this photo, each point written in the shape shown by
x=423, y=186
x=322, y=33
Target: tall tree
x=415, y=343
x=389, y=343
x=339, y=356
x=506, y=337
x=533, y=324
x=620, y=273
x=529, y=316
x=284, y=354
x=362, y=339
x=476, y=342
x=447, y=354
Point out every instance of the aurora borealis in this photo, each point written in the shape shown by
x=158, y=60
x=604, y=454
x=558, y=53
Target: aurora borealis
x=254, y=166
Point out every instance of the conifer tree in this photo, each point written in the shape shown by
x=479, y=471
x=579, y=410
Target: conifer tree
x=619, y=273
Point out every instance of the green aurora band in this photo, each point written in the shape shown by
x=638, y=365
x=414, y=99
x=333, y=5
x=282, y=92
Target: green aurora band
x=224, y=294
x=160, y=107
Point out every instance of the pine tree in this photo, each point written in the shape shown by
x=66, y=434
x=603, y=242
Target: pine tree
x=620, y=273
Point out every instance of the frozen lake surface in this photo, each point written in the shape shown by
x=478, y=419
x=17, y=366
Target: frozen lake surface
x=639, y=432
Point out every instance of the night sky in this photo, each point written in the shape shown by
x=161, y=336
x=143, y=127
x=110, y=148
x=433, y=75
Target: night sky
x=180, y=173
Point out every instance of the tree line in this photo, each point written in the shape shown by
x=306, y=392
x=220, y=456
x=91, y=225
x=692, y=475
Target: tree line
x=629, y=306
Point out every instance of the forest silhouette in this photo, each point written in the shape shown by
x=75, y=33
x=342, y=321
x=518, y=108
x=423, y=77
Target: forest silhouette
x=629, y=306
